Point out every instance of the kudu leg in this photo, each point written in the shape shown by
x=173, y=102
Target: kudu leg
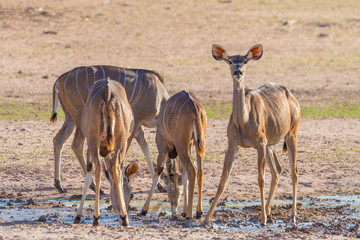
x=228, y=163
x=160, y=167
x=291, y=142
x=261, y=150
x=117, y=178
x=200, y=180
x=78, y=148
x=81, y=206
x=97, y=194
x=58, y=141
x=275, y=169
x=191, y=178
x=186, y=196
x=140, y=138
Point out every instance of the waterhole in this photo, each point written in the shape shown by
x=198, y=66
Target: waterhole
x=316, y=213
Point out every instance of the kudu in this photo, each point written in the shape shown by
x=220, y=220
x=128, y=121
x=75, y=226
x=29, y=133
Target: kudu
x=145, y=92
x=182, y=121
x=260, y=119
x=106, y=122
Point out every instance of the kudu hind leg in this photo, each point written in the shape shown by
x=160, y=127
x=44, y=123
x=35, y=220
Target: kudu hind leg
x=191, y=178
x=200, y=180
x=291, y=142
x=58, y=141
x=275, y=169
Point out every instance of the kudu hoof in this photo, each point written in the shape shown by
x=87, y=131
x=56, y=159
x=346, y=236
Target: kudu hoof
x=161, y=188
x=293, y=219
x=183, y=215
x=77, y=219
x=143, y=213
x=93, y=187
x=199, y=214
x=124, y=221
x=57, y=185
x=96, y=221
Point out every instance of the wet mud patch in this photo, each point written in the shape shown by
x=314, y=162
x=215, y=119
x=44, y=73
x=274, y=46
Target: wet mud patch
x=334, y=215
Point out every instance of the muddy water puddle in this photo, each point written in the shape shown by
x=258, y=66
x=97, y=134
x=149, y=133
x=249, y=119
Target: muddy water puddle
x=336, y=214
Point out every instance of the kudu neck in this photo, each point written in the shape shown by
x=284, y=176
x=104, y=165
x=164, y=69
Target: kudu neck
x=240, y=107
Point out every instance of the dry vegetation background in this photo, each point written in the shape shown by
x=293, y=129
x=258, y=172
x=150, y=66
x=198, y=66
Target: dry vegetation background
x=312, y=47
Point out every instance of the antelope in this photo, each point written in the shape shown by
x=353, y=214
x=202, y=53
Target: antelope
x=260, y=119
x=182, y=121
x=145, y=92
x=106, y=122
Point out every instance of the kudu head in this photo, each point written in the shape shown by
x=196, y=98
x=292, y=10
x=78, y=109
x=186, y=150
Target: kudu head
x=127, y=177
x=174, y=183
x=237, y=63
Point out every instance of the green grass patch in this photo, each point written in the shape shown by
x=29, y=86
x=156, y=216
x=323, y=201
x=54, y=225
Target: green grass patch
x=217, y=109
x=331, y=111
x=27, y=111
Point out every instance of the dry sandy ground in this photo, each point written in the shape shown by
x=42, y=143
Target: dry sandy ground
x=312, y=47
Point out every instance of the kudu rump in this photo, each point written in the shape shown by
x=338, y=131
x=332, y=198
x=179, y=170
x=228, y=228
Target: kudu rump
x=145, y=92
x=107, y=122
x=182, y=122
x=260, y=119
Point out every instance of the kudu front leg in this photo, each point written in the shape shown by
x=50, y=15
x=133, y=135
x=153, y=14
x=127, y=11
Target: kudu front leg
x=228, y=163
x=141, y=140
x=261, y=179
x=160, y=168
x=88, y=178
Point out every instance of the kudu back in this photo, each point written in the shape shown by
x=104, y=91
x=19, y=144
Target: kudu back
x=107, y=123
x=182, y=122
x=145, y=92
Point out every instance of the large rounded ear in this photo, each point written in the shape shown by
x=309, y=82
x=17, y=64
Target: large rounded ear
x=219, y=53
x=131, y=169
x=255, y=52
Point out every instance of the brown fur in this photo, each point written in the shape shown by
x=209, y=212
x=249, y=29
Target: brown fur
x=144, y=90
x=260, y=119
x=175, y=132
x=107, y=108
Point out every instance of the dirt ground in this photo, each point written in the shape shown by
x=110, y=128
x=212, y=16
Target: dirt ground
x=312, y=47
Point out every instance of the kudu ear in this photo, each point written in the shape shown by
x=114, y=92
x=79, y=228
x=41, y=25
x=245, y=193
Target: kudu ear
x=255, y=52
x=131, y=169
x=219, y=53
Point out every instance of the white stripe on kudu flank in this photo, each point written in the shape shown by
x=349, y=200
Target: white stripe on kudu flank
x=119, y=75
x=103, y=72
x=136, y=80
x=87, y=78
x=125, y=79
x=96, y=93
x=164, y=113
x=77, y=86
x=67, y=97
x=140, y=92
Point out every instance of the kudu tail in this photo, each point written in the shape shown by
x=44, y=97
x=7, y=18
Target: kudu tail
x=199, y=133
x=107, y=129
x=55, y=102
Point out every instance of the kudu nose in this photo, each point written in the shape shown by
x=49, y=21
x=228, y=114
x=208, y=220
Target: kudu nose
x=237, y=72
